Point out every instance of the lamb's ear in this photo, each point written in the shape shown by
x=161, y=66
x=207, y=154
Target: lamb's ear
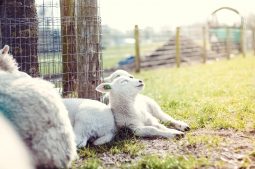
x=5, y=50
x=107, y=79
x=104, y=87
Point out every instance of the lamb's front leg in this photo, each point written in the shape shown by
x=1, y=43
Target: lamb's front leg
x=151, y=131
x=104, y=139
x=80, y=138
x=159, y=114
x=81, y=141
x=177, y=124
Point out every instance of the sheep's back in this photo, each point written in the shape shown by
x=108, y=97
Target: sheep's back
x=37, y=112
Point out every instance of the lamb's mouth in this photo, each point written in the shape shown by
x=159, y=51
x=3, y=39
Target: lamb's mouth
x=141, y=85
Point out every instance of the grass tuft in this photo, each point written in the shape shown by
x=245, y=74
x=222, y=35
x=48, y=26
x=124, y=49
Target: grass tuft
x=170, y=162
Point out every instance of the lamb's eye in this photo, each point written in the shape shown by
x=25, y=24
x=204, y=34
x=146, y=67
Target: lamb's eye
x=131, y=77
x=117, y=76
x=124, y=82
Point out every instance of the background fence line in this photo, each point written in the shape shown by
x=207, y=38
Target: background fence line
x=185, y=46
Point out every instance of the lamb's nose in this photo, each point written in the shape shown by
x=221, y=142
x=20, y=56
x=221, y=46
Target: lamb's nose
x=140, y=81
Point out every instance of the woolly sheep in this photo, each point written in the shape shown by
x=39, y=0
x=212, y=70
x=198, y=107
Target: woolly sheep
x=151, y=105
x=90, y=119
x=130, y=111
x=39, y=116
x=13, y=152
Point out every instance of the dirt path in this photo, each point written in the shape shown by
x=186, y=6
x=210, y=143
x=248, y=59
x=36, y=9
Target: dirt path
x=233, y=150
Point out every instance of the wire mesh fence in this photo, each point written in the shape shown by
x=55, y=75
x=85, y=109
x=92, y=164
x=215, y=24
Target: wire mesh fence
x=58, y=40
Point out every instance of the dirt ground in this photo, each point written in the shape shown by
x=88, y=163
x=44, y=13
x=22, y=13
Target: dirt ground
x=233, y=151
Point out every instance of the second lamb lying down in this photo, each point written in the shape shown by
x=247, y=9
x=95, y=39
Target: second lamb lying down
x=151, y=105
x=129, y=111
x=90, y=119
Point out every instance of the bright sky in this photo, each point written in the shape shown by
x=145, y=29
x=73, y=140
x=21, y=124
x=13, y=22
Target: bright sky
x=124, y=14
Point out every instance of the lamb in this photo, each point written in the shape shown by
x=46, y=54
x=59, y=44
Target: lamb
x=90, y=119
x=130, y=111
x=38, y=114
x=13, y=152
x=151, y=105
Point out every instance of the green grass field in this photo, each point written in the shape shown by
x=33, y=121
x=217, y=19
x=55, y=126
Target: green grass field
x=217, y=100
x=218, y=95
x=112, y=55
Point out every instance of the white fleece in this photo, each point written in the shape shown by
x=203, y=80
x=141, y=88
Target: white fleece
x=38, y=114
x=13, y=152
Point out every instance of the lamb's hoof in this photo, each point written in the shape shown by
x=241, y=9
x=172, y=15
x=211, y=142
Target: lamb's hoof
x=179, y=136
x=182, y=126
x=187, y=129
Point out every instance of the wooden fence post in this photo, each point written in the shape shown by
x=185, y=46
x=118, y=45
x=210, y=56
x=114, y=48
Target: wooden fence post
x=19, y=29
x=68, y=46
x=253, y=40
x=228, y=42
x=177, y=46
x=137, y=49
x=204, y=55
x=242, y=40
x=88, y=48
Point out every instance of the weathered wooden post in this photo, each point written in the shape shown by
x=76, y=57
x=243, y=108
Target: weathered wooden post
x=242, y=38
x=228, y=42
x=204, y=54
x=137, y=49
x=253, y=40
x=67, y=9
x=88, y=48
x=19, y=30
x=177, y=46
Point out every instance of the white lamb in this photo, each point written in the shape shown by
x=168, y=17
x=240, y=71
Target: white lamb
x=38, y=114
x=90, y=119
x=13, y=152
x=151, y=105
x=132, y=112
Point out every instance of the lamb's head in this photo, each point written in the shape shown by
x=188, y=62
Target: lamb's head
x=117, y=74
x=124, y=86
x=7, y=63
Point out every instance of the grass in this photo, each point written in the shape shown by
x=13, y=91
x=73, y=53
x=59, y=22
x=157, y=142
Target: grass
x=215, y=96
x=170, y=162
x=112, y=55
x=220, y=95
x=90, y=164
x=131, y=147
x=209, y=141
x=50, y=63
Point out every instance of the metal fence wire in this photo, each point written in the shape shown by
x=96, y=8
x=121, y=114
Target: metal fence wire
x=58, y=40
